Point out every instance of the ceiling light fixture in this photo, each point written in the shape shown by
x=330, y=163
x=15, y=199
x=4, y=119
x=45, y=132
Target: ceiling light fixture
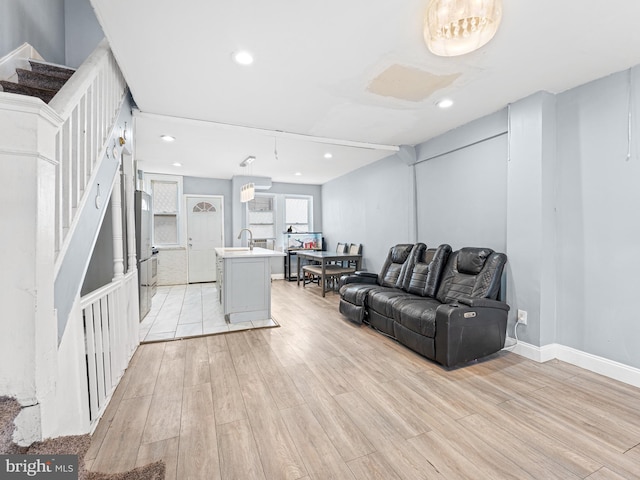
x=176, y=164
x=456, y=27
x=444, y=103
x=243, y=57
x=248, y=161
x=167, y=138
x=297, y=174
x=328, y=155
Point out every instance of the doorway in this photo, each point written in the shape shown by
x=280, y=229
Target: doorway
x=205, y=233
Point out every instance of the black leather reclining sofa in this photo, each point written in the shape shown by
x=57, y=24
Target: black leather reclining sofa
x=439, y=303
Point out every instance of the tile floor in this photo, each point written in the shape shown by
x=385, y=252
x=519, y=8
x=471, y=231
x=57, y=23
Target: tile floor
x=182, y=311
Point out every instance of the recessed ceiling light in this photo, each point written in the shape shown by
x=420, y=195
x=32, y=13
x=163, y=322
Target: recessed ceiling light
x=177, y=164
x=444, y=103
x=167, y=138
x=243, y=57
x=297, y=174
x=328, y=155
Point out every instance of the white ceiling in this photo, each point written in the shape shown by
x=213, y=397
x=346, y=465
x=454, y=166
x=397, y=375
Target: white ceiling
x=314, y=64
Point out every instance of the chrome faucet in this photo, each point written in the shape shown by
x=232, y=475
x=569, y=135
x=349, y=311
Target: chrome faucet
x=250, y=237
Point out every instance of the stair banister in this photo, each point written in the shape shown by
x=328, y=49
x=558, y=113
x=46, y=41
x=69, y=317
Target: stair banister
x=89, y=104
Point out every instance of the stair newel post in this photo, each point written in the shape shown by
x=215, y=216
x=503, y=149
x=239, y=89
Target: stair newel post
x=129, y=179
x=116, y=217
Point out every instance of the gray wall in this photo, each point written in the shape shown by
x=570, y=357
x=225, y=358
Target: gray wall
x=62, y=31
x=372, y=206
x=468, y=207
x=40, y=23
x=83, y=32
x=598, y=221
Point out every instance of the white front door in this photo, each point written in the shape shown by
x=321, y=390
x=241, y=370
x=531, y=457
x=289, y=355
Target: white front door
x=205, y=222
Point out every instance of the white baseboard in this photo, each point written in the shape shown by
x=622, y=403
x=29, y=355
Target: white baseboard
x=277, y=276
x=603, y=366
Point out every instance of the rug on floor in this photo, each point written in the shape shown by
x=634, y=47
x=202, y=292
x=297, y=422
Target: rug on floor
x=69, y=445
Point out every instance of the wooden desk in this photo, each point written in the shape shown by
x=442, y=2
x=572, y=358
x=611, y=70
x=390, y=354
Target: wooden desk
x=323, y=258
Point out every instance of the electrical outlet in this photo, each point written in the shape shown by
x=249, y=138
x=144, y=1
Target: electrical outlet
x=522, y=317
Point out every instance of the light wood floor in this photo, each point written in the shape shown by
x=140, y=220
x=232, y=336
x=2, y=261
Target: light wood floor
x=320, y=398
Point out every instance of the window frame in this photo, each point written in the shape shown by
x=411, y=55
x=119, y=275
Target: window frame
x=149, y=180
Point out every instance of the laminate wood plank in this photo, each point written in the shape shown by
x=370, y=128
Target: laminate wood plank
x=605, y=474
x=564, y=455
x=278, y=453
x=438, y=396
x=196, y=362
x=239, y=458
x=379, y=427
x=282, y=388
x=164, y=417
x=345, y=435
x=217, y=343
x=98, y=435
x=319, y=454
x=228, y=404
x=329, y=377
x=358, y=377
x=174, y=350
x=521, y=450
x=569, y=433
x=119, y=449
x=243, y=359
x=404, y=417
x=165, y=450
x=620, y=431
x=143, y=377
x=486, y=460
x=170, y=376
x=372, y=467
x=198, y=457
x=448, y=459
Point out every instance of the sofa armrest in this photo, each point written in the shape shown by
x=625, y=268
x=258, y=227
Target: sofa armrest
x=465, y=333
x=483, y=302
x=358, y=277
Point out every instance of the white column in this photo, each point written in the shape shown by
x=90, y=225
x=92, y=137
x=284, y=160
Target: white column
x=129, y=179
x=116, y=217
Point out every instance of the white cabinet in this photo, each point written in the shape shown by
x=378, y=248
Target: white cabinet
x=244, y=283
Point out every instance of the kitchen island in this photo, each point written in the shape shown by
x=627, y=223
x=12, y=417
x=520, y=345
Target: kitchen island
x=244, y=282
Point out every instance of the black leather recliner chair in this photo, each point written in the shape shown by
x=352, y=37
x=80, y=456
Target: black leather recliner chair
x=446, y=309
x=354, y=288
x=422, y=279
x=464, y=321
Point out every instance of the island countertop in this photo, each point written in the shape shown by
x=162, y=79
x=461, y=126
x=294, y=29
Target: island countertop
x=237, y=252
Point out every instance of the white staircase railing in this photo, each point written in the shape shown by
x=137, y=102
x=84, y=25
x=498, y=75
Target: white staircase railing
x=110, y=340
x=89, y=104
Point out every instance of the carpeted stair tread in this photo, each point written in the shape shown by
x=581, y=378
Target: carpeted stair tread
x=52, y=69
x=39, y=80
x=69, y=445
x=41, y=93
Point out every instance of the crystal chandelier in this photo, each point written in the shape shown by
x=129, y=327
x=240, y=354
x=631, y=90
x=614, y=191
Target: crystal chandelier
x=456, y=27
